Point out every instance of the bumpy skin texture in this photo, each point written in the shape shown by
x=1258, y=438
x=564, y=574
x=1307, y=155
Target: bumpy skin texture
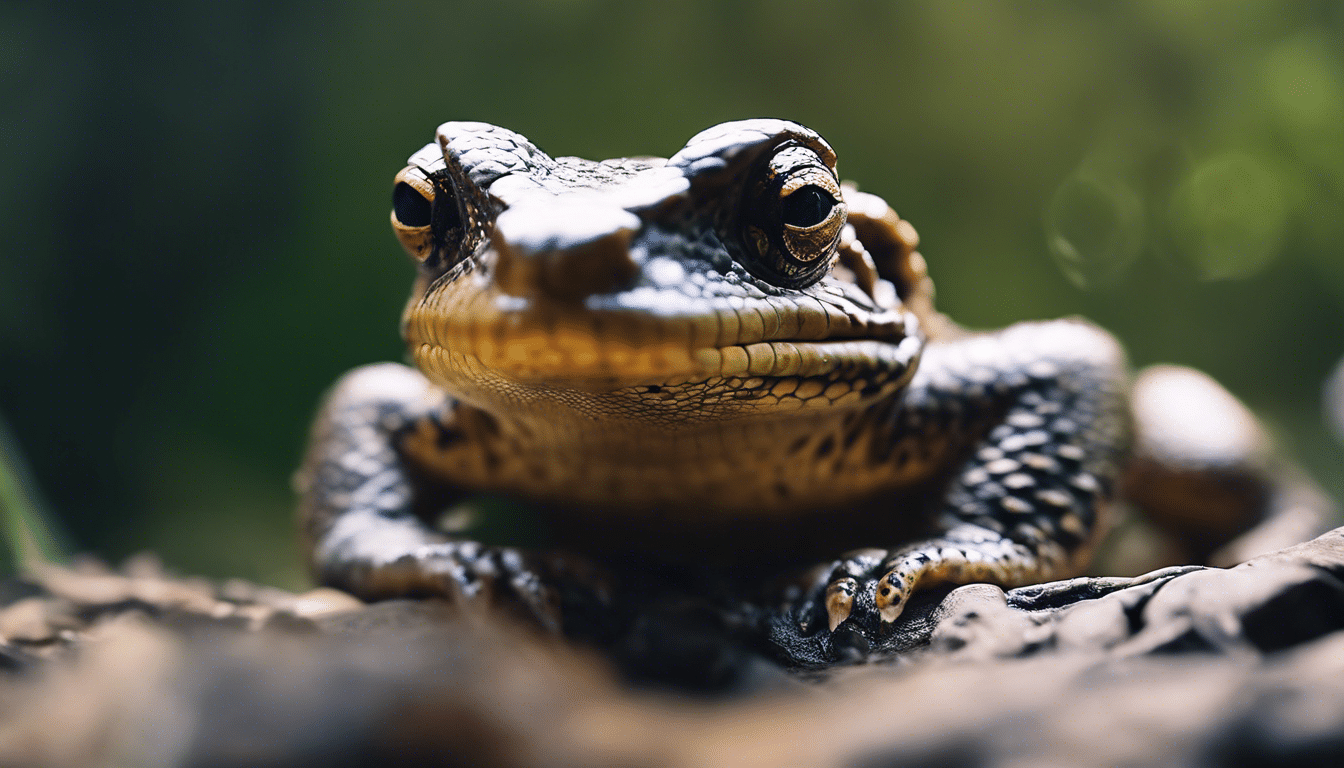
x=721, y=358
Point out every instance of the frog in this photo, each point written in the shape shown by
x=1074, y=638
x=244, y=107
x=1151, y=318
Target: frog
x=730, y=361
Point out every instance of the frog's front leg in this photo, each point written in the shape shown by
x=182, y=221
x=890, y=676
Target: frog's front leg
x=364, y=501
x=1041, y=408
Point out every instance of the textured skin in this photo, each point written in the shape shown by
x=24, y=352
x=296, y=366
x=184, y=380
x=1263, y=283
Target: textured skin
x=647, y=353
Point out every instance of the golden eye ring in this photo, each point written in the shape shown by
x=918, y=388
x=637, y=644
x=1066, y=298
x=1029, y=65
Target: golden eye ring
x=426, y=215
x=792, y=215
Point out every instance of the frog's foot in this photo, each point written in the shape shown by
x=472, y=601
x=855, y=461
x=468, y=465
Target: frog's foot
x=882, y=581
x=482, y=578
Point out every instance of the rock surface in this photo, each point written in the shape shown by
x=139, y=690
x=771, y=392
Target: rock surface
x=1184, y=666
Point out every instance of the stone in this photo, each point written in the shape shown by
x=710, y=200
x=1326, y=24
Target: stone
x=1184, y=666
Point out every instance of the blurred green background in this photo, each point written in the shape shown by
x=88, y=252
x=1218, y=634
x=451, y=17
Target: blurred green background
x=194, y=200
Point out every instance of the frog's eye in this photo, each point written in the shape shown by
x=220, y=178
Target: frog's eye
x=425, y=214
x=410, y=206
x=807, y=207
x=791, y=219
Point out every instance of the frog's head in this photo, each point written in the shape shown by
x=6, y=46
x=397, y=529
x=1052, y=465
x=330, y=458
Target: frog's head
x=737, y=277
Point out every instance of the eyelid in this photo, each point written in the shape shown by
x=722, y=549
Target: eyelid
x=415, y=177
x=815, y=177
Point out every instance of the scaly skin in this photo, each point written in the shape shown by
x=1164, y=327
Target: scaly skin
x=722, y=351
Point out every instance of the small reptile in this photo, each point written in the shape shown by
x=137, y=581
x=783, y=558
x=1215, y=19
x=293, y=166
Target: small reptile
x=729, y=359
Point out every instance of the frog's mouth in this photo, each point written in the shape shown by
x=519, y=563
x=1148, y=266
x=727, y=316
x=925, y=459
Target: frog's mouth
x=458, y=333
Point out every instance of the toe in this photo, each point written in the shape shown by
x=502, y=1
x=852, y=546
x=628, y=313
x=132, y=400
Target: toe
x=890, y=597
x=840, y=600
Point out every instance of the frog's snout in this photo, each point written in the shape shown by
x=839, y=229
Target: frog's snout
x=564, y=250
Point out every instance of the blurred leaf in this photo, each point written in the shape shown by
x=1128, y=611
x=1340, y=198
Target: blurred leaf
x=30, y=533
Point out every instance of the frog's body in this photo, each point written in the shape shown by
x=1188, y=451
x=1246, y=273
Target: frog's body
x=726, y=341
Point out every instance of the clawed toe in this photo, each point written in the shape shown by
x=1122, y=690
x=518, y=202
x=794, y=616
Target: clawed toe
x=890, y=596
x=481, y=578
x=840, y=600
x=858, y=587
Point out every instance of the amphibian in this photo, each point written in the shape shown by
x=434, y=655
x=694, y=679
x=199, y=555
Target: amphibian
x=726, y=357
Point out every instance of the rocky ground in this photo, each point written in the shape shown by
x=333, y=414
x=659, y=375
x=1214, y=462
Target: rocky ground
x=1183, y=666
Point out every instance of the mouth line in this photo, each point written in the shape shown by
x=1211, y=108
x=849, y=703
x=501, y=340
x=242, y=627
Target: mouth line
x=546, y=343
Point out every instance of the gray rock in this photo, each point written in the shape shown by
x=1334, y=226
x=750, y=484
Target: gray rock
x=1187, y=666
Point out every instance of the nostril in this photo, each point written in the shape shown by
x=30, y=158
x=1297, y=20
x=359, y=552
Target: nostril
x=564, y=251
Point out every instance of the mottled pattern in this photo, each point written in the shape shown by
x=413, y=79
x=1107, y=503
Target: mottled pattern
x=1040, y=406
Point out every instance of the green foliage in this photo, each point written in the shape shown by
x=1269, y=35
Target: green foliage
x=195, y=204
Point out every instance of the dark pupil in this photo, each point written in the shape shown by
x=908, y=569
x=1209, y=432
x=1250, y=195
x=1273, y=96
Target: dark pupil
x=411, y=207
x=807, y=207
